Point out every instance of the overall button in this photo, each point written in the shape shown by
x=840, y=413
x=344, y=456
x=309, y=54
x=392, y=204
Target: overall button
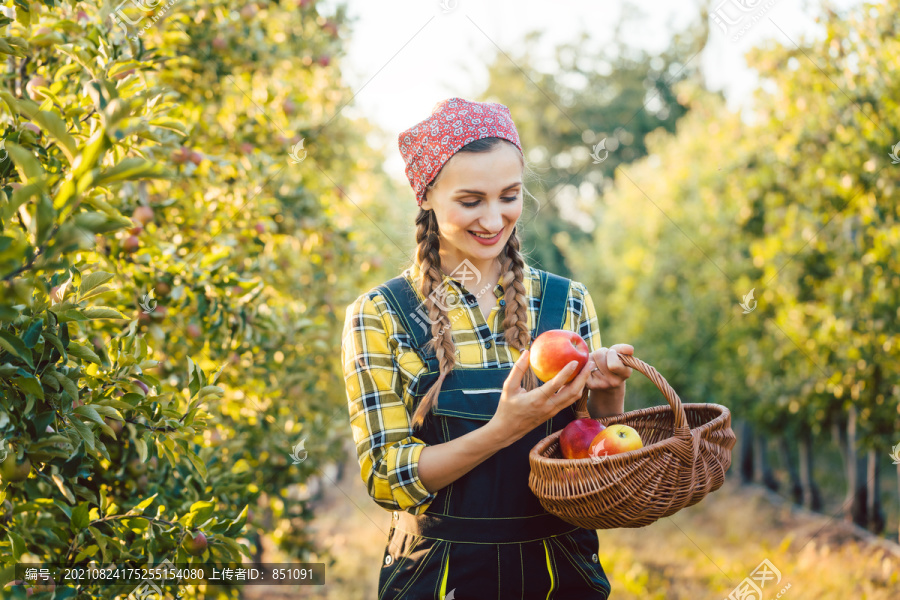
x=396, y=516
x=595, y=558
x=388, y=559
x=487, y=344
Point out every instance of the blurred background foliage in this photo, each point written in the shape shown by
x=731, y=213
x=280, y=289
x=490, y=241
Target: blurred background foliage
x=186, y=212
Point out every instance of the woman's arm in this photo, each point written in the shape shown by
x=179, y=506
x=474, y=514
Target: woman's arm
x=518, y=413
x=442, y=464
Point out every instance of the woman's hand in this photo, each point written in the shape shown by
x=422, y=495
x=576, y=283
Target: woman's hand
x=607, y=372
x=520, y=412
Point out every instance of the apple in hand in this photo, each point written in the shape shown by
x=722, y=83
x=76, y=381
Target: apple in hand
x=576, y=437
x=553, y=350
x=614, y=440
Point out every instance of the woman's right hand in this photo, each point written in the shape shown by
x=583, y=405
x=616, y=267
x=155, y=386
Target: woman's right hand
x=520, y=411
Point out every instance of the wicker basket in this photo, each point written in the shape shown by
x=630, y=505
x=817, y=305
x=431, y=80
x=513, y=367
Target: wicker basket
x=687, y=449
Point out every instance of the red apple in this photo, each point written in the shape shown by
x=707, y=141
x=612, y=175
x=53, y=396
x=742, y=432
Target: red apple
x=181, y=155
x=324, y=60
x=195, y=157
x=32, y=128
x=194, y=544
x=553, y=350
x=260, y=228
x=194, y=331
x=163, y=288
x=615, y=439
x=576, y=437
x=131, y=243
x=142, y=215
x=33, y=93
x=246, y=147
x=219, y=43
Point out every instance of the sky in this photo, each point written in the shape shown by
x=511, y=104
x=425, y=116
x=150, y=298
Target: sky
x=404, y=56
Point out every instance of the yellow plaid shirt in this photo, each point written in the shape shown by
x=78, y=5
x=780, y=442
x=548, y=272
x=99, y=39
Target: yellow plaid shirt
x=379, y=364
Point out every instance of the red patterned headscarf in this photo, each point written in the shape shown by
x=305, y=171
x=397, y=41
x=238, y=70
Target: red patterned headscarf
x=453, y=123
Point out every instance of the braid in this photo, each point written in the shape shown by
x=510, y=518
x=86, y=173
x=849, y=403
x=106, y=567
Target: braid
x=515, y=323
x=441, y=342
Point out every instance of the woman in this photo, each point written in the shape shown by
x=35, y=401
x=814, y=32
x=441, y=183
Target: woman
x=443, y=405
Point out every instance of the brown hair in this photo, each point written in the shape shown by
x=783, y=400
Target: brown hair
x=428, y=259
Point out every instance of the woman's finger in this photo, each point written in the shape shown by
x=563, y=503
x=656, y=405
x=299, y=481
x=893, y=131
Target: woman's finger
x=514, y=379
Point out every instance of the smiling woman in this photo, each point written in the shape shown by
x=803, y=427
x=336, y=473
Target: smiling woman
x=443, y=405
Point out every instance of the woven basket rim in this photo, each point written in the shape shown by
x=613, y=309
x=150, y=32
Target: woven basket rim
x=538, y=455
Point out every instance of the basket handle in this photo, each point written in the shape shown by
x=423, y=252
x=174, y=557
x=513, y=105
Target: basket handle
x=581, y=410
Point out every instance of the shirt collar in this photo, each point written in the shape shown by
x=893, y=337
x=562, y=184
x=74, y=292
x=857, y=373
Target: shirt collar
x=412, y=273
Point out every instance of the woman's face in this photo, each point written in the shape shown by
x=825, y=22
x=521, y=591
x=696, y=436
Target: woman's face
x=477, y=193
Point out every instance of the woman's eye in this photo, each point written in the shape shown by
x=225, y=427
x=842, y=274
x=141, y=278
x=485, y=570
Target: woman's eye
x=507, y=198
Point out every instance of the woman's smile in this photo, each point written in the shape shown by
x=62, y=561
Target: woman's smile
x=486, y=238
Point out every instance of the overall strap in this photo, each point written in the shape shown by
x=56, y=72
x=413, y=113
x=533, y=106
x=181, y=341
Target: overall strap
x=552, y=311
x=402, y=298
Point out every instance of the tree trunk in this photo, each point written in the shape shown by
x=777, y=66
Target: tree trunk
x=762, y=469
x=855, y=502
x=784, y=443
x=746, y=456
x=873, y=495
x=812, y=497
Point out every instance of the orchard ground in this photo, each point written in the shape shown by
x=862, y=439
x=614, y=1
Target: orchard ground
x=700, y=553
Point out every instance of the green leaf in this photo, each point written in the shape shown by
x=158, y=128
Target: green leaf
x=89, y=412
x=18, y=545
x=33, y=333
x=53, y=339
x=29, y=383
x=103, y=312
x=198, y=464
x=89, y=282
x=139, y=508
x=237, y=524
x=49, y=122
x=82, y=352
x=14, y=345
x=132, y=168
x=84, y=431
x=141, y=446
x=80, y=517
x=202, y=510
x=60, y=484
x=101, y=541
x=96, y=222
x=26, y=164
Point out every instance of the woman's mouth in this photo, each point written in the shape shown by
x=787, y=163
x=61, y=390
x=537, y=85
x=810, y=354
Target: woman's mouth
x=486, y=239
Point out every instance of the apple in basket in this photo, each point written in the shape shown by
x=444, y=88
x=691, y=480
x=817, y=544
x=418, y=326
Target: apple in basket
x=576, y=437
x=553, y=350
x=615, y=439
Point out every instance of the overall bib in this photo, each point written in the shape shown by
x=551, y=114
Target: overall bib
x=486, y=536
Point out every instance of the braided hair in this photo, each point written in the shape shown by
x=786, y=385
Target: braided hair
x=515, y=322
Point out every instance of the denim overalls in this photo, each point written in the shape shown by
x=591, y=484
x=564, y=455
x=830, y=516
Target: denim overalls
x=486, y=536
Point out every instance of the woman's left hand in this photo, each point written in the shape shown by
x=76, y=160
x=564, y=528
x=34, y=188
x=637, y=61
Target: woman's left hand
x=607, y=370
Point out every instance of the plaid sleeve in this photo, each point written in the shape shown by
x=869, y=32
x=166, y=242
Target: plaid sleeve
x=388, y=453
x=582, y=312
